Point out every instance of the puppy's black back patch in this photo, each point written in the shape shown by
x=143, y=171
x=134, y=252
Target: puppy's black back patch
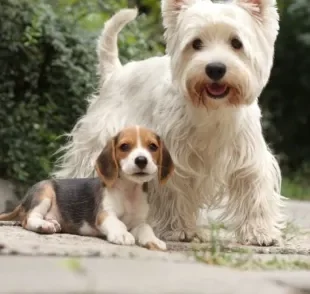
x=78, y=200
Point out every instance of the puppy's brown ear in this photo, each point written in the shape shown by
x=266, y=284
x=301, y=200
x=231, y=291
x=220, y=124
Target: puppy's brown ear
x=165, y=166
x=106, y=164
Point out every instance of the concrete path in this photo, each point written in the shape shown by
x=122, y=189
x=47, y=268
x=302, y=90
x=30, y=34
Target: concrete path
x=51, y=275
x=33, y=263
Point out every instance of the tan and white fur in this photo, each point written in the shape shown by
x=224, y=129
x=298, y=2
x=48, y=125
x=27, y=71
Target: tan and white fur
x=202, y=99
x=114, y=204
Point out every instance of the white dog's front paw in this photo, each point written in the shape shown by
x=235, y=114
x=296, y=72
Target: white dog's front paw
x=248, y=236
x=121, y=238
x=200, y=235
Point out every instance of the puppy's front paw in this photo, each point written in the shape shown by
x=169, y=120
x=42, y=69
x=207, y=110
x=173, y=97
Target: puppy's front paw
x=155, y=244
x=145, y=237
x=121, y=238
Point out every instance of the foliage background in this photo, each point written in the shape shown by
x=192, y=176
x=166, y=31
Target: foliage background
x=48, y=62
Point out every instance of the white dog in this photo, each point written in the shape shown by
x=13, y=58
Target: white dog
x=202, y=98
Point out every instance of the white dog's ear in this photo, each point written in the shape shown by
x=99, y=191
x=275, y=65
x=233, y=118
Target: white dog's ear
x=171, y=8
x=263, y=10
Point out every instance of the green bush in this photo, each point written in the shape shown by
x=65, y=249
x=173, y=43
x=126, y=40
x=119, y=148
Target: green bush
x=48, y=67
x=139, y=40
x=285, y=101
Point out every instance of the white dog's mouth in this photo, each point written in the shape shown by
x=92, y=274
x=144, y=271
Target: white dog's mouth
x=217, y=91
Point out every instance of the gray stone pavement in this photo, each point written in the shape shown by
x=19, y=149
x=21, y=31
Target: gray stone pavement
x=33, y=263
x=51, y=275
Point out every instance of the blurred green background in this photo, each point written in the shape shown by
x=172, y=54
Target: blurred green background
x=48, y=68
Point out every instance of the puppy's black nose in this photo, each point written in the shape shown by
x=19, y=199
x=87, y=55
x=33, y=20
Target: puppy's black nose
x=141, y=162
x=216, y=70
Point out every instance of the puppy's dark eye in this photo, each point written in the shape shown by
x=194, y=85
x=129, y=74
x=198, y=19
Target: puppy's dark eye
x=153, y=147
x=124, y=147
x=197, y=44
x=236, y=43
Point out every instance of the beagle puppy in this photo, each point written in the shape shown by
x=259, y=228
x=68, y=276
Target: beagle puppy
x=113, y=205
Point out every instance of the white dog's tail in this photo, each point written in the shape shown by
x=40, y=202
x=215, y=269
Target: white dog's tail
x=107, y=49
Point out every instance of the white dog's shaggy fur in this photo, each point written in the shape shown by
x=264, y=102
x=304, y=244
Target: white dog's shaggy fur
x=217, y=145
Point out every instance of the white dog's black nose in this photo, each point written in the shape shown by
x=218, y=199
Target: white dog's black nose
x=141, y=161
x=216, y=70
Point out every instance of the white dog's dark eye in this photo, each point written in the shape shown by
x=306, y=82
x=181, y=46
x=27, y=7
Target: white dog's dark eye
x=197, y=44
x=153, y=147
x=236, y=43
x=124, y=147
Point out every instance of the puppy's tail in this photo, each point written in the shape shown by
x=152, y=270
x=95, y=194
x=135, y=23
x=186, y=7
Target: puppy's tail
x=107, y=50
x=12, y=216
